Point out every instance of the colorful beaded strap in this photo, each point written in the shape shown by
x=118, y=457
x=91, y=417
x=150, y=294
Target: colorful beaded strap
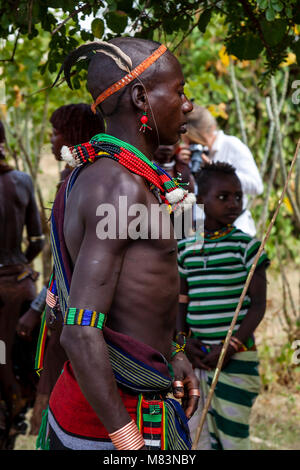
x=84, y=317
x=105, y=145
x=129, y=77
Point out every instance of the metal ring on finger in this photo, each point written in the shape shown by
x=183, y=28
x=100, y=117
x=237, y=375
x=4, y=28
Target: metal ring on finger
x=178, y=383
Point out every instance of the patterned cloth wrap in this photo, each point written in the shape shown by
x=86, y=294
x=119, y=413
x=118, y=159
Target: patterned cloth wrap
x=139, y=375
x=227, y=422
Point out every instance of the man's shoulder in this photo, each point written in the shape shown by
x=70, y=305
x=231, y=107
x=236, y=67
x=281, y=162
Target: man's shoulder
x=20, y=177
x=105, y=180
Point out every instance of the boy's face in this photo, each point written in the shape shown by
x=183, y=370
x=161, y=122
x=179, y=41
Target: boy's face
x=223, y=202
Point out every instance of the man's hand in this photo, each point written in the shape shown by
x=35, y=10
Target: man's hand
x=51, y=320
x=28, y=322
x=195, y=353
x=211, y=359
x=183, y=154
x=183, y=372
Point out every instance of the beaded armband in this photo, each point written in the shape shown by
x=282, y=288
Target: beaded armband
x=128, y=437
x=84, y=317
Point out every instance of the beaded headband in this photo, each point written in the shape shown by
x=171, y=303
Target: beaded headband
x=129, y=77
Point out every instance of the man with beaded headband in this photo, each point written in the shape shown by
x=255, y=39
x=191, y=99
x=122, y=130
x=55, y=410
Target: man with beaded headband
x=119, y=296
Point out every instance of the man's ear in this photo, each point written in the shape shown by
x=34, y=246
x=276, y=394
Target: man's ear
x=138, y=96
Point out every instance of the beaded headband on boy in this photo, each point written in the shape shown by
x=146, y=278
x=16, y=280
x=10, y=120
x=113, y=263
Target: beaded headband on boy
x=132, y=75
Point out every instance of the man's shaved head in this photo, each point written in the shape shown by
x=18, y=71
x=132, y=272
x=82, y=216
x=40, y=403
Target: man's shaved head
x=103, y=71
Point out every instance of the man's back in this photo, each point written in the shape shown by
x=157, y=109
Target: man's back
x=17, y=209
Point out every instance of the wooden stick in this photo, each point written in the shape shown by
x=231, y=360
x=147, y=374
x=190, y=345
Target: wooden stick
x=249, y=278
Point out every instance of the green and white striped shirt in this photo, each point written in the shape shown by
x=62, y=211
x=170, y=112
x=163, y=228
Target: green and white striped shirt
x=216, y=272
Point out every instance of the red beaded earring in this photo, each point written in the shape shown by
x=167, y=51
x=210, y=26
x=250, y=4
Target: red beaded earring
x=144, y=120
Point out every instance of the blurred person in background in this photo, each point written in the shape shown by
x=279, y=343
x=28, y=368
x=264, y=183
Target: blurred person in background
x=71, y=125
x=202, y=129
x=18, y=210
x=165, y=157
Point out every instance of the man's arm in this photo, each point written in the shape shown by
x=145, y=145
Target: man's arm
x=257, y=292
x=33, y=226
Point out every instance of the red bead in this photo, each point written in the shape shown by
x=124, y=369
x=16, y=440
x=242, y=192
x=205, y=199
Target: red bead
x=144, y=119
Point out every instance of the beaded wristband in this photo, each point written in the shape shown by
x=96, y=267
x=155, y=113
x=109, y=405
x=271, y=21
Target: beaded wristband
x=178, y=348
x=127, y=438
x=184, y=334
x=84, y=317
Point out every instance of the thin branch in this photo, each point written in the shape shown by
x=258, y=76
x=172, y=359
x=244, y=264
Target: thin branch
x=142, y=13
x=296, y=209
x=42, y=135
x=184, y=37
x=30, y=5
x=237, y=102
x=284, y=89
x=70, y=17
x=289, y=291
x=49, y=86
x=14, y=50
x=263, y=218
x=249, y=12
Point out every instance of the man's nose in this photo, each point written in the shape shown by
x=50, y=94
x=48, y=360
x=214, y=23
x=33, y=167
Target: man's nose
x=187, y=106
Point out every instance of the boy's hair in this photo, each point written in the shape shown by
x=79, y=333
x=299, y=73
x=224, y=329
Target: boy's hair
x=2, y=133
x=77, y=122
x=208, y=171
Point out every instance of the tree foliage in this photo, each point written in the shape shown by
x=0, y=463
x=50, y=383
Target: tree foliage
x=264, y=28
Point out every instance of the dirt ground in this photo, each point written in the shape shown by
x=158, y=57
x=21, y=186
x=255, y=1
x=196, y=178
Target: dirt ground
x=275, y=419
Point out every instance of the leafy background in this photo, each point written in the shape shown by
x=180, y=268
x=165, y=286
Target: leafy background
x=240, y=59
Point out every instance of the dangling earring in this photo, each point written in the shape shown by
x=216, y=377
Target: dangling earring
x=144, y=120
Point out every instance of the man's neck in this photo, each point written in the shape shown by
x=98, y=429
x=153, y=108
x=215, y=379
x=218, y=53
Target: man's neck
x=128, y=131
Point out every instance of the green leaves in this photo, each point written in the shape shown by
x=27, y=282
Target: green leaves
x=97, y=28
x=250, y=28
x=204, y=20
x=116, y=21
x=273, y=32
x=245, y=47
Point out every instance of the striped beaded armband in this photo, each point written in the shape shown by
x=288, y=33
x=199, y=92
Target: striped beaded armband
x=84, y=317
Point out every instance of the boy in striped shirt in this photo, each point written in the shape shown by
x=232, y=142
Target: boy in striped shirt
x=213, y=270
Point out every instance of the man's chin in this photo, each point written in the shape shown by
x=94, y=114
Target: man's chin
x=169, y=140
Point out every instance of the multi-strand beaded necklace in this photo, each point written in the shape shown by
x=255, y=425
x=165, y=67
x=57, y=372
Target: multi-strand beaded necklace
x=104, y=145
x=215, y=235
